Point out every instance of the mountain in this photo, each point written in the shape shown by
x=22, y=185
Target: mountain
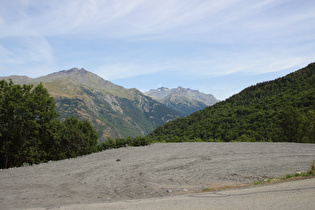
x=186, y=101
x=281, y=110
x=113, y=110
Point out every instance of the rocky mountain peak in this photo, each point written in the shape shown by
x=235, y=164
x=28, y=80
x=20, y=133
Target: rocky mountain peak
x=182, y=99
x=72, y=72
x=76, y=70
x=163, y=89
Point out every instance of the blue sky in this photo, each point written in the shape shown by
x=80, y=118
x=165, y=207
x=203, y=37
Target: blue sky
x=217, y=47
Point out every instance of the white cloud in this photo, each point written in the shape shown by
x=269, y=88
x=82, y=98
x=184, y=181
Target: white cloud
x=242, y=36
x=126, y=70
x=25, y=52
x=117, y=71
x=107, y=17
x=172, y=18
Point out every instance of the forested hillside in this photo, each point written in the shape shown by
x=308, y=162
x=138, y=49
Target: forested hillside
x=282, y=110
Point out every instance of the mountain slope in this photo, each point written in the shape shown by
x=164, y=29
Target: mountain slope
x=278, y=110
x=186, y=101
x=113, y=110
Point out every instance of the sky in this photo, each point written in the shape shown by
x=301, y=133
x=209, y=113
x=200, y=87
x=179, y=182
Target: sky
x=216, y=47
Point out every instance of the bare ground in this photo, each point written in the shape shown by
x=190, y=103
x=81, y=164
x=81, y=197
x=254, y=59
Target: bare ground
x=151, y=171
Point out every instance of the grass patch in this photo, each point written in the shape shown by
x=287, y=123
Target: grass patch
x=258, y=183
x=288, y=176
x=311, y=172
x=296, y=176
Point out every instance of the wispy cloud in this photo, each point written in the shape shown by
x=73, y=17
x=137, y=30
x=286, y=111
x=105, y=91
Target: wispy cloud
x=124, y=70
x=26, y=54
x=108, y=17
x=128, y=38
x=112, y=18
x=122, y=18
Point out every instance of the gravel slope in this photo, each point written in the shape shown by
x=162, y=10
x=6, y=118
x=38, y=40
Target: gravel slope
x=151, y=171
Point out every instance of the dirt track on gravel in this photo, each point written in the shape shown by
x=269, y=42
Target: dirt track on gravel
x=151, y=171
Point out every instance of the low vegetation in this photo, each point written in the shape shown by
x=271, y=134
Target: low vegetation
x=297, y=175
x=309, y=173
x=123, y=142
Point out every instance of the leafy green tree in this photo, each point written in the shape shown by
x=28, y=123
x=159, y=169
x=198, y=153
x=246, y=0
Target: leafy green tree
x=307, y=127
x=311, y=126
x=140, y=141
x=108, y=144
x=10, y=96
x=30, y=131
x=290, y=125
x=40, y=108
x=120, y=142
x=25, y=113
x=80, y=138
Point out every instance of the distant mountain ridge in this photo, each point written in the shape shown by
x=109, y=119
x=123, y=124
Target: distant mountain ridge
x=184, y=100
x=113, y=110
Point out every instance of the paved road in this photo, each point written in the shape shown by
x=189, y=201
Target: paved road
x=285, y=195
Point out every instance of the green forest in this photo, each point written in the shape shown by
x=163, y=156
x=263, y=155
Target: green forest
x=282, y=110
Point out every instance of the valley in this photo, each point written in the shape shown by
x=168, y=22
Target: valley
x=113, y=110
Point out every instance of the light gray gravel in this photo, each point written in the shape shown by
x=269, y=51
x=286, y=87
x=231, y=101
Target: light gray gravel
x=151, y=171
x=285, y=195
